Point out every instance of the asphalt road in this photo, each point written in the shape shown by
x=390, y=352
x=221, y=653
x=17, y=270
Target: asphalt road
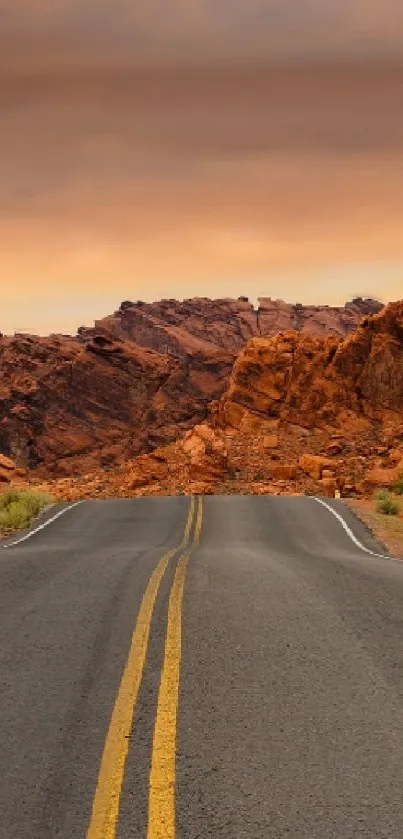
x=217, y=667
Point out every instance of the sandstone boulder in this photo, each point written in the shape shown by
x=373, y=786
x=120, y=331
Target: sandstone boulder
x=270, y=441
x=383, y=478
x=314, y=465
x=284, y=471
x=396, y=456
x=6, y=463
x=7, y=469
x=207, y=453
x=328, y=486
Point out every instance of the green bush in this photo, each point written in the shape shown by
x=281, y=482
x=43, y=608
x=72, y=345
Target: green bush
x=398, y=486
x=8, y=496
x=19, y=507
x=386, y=504
x=381, y=494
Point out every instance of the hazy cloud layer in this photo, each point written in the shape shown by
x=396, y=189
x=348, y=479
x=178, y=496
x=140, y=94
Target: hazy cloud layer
x=146, y=184
x=158, y=30
x=155, y=184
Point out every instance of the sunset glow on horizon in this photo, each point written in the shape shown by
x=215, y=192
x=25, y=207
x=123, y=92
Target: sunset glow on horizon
x=125, y=182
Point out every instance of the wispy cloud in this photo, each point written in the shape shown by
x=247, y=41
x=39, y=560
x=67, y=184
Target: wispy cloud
x=203, y=30
x=148, y=183
x=155, y=184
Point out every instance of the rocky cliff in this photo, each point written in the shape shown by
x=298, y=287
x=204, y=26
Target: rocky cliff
x=137, y=380
x=301, y=413
x=295, y=397
x=292, y=376
x=201, y=325
x=67, y=406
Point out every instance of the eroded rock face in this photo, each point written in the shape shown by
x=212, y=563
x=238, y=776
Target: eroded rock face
x=68, y=406
x=302, y=414
x=316, y=466
x=136, y=381
x=336, y=406
x=204, y=325
x=316, y=381
x=7, y=469
x=207, y=455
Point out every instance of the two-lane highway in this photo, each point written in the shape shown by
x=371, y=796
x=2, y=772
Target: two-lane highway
x=173, y=668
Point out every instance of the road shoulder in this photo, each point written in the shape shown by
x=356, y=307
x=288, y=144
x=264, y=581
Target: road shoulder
x=387, y=530
x=46, y=516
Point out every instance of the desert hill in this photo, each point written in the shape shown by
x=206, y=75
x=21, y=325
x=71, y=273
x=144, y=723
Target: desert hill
x=300, y=413
x=138, y=379
x=202, y=325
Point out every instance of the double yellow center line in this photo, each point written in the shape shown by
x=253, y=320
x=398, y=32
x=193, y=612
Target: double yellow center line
x=161, y=810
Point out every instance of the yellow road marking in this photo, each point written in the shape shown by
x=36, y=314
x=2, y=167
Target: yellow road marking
x=161, y=805
x=105, y=808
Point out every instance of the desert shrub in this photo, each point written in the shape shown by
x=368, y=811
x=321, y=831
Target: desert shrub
x=8, y=496
x=386, y=504
x=381, y=494
x=19, y=507
x=398, y=485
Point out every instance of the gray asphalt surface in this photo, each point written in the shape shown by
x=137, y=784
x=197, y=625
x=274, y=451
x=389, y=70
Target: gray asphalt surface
x=290, y=710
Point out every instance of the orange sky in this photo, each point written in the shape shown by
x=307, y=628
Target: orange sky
x=48, y=31
x=140, y=184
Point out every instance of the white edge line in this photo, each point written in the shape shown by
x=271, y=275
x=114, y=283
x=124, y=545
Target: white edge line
x=349, y=531
x=41, y=526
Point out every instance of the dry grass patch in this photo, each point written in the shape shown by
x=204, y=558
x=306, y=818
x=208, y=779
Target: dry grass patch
x=19, y=507
x=387, y=529
x=386, y=503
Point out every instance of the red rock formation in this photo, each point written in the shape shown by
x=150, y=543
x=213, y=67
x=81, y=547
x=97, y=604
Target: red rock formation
x=301, y=414
x=68, y=406
x=7, y=469
x=61, y=402
x=313, y=381
x=203, y=325
x=336, y=406
x=138, y=380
